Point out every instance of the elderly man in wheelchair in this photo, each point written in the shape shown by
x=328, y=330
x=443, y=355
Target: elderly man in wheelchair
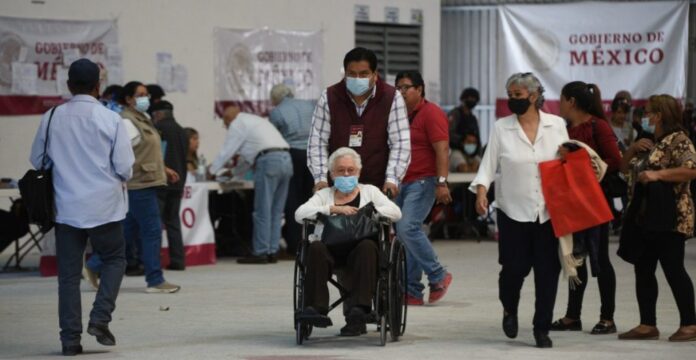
x=360, y=262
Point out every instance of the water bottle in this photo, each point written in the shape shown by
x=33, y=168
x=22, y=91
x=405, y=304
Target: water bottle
x=202, y=167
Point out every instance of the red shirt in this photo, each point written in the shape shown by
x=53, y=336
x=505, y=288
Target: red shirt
x=603, y=141
x=428, y=125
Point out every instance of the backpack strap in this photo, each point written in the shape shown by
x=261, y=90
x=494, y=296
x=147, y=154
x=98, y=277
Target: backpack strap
x=45, y=153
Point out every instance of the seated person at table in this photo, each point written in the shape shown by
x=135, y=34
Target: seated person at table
x=192, y=153
x=469, y=159
x=360, y=272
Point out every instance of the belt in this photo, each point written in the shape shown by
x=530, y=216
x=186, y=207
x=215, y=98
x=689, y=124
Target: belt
x=269, y=150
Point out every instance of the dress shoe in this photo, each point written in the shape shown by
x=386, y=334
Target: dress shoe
x=603, y=328
x=272, y=258
x=510, y=325
x=560, y=325
x=72, y=350
x=542, y=340
x=633, y=334
x=176, y=267
x=683, y=335
x=135, y=270
x=102, y=333
x=355, y=322
x=253, y=259
x=313, y=317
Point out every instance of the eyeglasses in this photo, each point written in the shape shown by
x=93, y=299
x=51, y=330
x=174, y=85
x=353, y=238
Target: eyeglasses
x=404, y=88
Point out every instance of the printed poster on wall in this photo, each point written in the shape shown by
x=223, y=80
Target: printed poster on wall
x=640, y=47
x=36, y=53
x=248, y=63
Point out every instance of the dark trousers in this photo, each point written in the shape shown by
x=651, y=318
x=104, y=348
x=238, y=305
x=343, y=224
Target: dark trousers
x=170, y=202
x=107, y=241
x=668, y=249
x=359, y=275
x=523, y=246
x=606, y=279
x=301, y=185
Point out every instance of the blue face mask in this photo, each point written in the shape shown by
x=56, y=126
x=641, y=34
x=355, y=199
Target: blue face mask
x=470, y=149
x=346, y=184
x=645, y=124
x=357, y=86
x=142, y=103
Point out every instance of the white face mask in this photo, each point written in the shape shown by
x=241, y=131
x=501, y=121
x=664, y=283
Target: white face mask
x=142, y=103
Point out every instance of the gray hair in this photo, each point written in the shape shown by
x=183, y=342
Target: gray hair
x=341, y=152
x=529, y=82
x=280, y=92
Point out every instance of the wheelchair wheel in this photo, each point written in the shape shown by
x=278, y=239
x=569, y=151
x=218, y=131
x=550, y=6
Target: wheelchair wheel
x=397, y=290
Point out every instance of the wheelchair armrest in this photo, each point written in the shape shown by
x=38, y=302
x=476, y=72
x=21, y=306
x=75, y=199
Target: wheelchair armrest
x=308, y=222
x=383, y=220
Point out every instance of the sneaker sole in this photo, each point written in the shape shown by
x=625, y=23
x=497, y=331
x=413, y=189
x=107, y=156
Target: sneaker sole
x=161, y=291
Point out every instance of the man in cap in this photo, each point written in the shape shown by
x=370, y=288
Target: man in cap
x=90, y=199
x=175, y=145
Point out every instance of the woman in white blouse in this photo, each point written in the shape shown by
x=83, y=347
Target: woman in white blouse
x=344, y=198
x=518, y=143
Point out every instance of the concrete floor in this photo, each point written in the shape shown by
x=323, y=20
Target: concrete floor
x=233, y=311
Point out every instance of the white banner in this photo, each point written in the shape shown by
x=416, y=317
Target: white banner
x=249, y=62
x=196, y=229
x=640, y=47
x=35, y=55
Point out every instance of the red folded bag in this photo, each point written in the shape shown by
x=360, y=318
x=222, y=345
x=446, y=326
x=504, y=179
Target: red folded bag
x=572, y=193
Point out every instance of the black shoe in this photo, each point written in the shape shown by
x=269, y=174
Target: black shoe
x=72, y=350
x=559, y=325
x=176, y=267
x=252, y=259
x=272, y=259
x=312, y=317
x=542, y=340
x=135, y=270
x=602, y=328
x=510, y=325
x=102, y=333
x=355, y=322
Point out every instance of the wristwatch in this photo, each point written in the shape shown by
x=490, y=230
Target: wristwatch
x=441, y=181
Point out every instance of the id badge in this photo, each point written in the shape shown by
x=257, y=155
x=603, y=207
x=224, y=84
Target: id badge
x=356, y=136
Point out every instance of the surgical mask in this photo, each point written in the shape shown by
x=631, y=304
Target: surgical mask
x=470, y=149
x=142, y=103
x=357, y=86
x=346, y=184
x=645, y=124
x=519, y=106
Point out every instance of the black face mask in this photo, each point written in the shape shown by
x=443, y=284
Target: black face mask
x=470, y=104
x=519, y=106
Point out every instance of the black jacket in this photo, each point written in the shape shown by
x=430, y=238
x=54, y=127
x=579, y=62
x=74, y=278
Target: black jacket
x=173, y=136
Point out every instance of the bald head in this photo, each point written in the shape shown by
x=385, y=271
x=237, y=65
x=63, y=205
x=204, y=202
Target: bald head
x=230, y=114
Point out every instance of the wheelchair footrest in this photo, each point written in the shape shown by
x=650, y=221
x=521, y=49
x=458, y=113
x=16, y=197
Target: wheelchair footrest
x=314, y=319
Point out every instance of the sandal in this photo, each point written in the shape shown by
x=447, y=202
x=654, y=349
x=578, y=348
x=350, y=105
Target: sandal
x=603, y=328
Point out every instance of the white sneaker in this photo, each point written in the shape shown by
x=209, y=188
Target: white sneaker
x=163, y=288
x=91, y=277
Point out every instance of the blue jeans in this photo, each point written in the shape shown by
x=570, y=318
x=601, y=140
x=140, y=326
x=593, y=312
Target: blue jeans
x=107, y=241
x=142, y=226
x=416, y=200
x=272, y=175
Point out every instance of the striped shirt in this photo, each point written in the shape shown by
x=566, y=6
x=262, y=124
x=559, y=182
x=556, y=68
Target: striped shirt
x=399, y=140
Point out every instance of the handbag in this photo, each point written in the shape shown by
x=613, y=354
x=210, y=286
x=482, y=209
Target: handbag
x=613, y=185
x=573, y=197
x=36, y=189
x=342, y=233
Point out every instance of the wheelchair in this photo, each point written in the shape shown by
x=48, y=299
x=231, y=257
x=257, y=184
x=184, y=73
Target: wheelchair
x=389, y=306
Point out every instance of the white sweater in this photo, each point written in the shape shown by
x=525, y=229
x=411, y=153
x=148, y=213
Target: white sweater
x=323, y=199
